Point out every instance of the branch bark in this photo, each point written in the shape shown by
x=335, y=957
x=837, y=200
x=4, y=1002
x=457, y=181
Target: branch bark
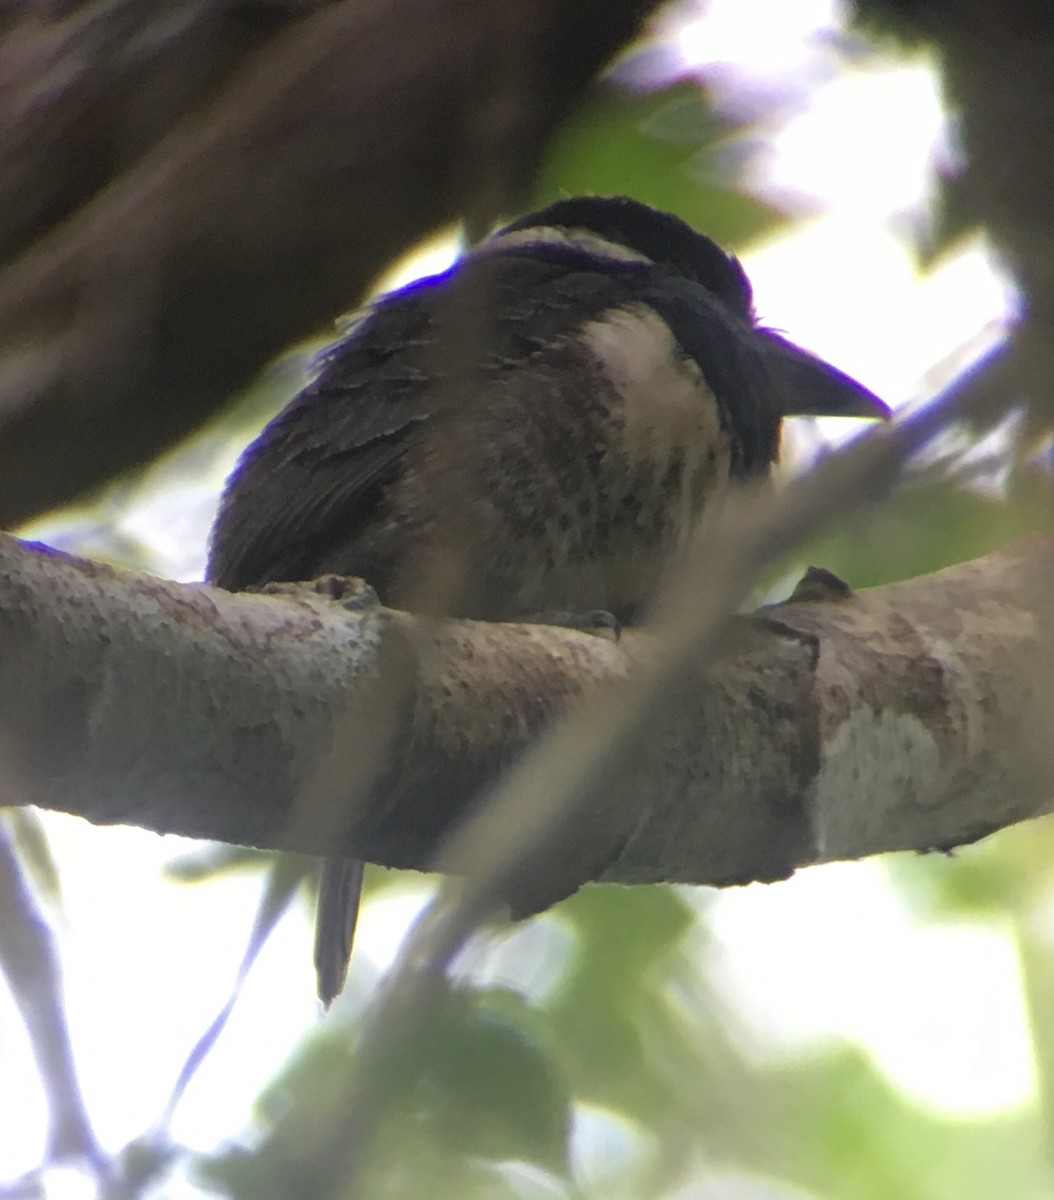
x=835, y=725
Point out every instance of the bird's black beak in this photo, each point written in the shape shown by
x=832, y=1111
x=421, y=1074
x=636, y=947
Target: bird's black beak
x=809, y=387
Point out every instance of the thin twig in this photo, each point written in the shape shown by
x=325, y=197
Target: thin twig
x=29, y=959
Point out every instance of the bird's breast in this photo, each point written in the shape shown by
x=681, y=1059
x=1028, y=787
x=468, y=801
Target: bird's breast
x=667, y=449
x=589, y=472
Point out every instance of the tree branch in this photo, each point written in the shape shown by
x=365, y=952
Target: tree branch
x=309, y=154
x=836, y=725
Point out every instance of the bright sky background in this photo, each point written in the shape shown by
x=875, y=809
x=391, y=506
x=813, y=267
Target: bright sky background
x=822, y=952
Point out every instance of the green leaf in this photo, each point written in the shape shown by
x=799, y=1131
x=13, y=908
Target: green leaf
x=624, y=931
x=851, y=1134
x=980, y=880
x=611, y=1018
x=472, y=1080
x=923, y=527
x=487, y=1085
x=668, y=149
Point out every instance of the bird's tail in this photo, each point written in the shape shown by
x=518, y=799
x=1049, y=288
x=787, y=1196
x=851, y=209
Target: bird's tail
x=339, y=890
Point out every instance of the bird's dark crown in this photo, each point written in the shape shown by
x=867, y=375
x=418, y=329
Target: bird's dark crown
x=658, y=236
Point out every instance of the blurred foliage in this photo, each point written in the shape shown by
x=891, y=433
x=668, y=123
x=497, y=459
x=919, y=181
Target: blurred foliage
x=995, y=879
x=473, y=1081
x=214, y=859
x=850, y=1125
x=668, y=148
x=931, y=523
x=30, y=840
x=611, y=1019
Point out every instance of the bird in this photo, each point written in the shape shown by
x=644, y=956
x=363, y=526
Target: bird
x=535, y=430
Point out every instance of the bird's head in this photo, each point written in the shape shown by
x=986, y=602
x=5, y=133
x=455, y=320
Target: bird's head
x=624, y=230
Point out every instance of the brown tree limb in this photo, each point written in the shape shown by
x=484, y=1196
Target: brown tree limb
x=835, y=726
x=307, y=157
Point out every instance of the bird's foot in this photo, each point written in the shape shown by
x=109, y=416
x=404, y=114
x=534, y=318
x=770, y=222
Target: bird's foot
x=348, y=590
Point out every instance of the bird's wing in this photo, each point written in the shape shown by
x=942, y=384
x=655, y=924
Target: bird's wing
x=317, y=468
